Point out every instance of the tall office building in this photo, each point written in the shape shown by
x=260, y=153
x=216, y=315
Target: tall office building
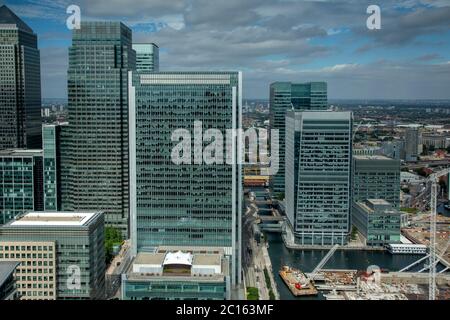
x=376, y=177
x=95, y=160
x=51, y=140
x=20, y=82
x=193, y=204
x=318, y=176
x=147, y=57
x=62, y=254
x=21, y=183
x=286, y=96
x=412, y=140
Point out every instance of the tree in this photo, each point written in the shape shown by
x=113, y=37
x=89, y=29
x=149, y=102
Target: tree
x=113, y=237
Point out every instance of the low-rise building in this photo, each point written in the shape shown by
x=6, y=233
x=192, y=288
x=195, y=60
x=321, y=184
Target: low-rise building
x=61, y=254
x=178, y=273
x=378, y=221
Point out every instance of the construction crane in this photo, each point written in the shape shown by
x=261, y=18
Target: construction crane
x=325, y=259
x=434, y=178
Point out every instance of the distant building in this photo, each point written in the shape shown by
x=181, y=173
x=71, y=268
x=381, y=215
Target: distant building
x=436, y=141
x=178, y=273
x=378, y=221
x=286, y=96
x=62, y=254
x=21, y=183
x=51, y=140
x=412, y=140
x=376, y=177
x=393, y=149
x=367, y=151
x=7, y=279
x=20, y=79
x=147, y=57
x=318, y=176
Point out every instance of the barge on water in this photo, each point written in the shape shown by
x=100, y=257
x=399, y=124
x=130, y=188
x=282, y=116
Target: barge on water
x=297, y=282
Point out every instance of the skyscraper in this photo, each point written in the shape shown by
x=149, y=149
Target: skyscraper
x=193, y=204
x=412, y=139
x=95, y=160
x=286, y=96
x=20, y=82
x=318, y=176
x=376, y=177
x=147, y=57
x=51, y=140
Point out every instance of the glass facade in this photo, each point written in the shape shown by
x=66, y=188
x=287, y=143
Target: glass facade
x=376, y=177
x=20, y=183
x=51, y=136
x=147, y=57
x=378, y=221
x=318, y=176
x=95, y=158
x=184, y=204
x=174, y=290
x=286, y=96
x=20, y=82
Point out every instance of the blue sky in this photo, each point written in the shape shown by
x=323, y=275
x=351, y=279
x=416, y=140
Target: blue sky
x=271, y=40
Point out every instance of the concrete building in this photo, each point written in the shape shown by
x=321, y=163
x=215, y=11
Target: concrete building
x=412, y=141
x=378, y=221
x=95, y=159
x=393, y=149
x=61, y=254
x=21, y=183
x=178, y=273
x=376, y=177
x=437, y=141
x=7, y=280
x=147, y=57
x=188, y=203
x=318, y=176
x=286, y=96
x=20, y=80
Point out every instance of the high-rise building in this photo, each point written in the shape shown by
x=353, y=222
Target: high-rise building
x=412, y=140
x=378, y=221
x=195, y=204
x=147, y=57
x=20, y=82
x=286, y=96
x=62, y=254
x=376, y=177
x=21, y=183
x=95, y=159
x=7, y=280
x=318, y=176
x=51, y=141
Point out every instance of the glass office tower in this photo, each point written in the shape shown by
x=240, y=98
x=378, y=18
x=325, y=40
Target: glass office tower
x=147, y=57
x=95, y=159
x=184, y=204
x=20, y=183
x=20, y=82
x=51, y=140
x=318, y=176
x=286, y=96
x=376, y=177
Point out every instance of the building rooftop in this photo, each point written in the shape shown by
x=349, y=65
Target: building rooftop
x=372, y=157
x=21, y=152
x=6, y=269
x=56, y=219
x=7, y=17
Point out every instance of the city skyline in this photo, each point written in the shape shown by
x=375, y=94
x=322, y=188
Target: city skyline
x=408, y=58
